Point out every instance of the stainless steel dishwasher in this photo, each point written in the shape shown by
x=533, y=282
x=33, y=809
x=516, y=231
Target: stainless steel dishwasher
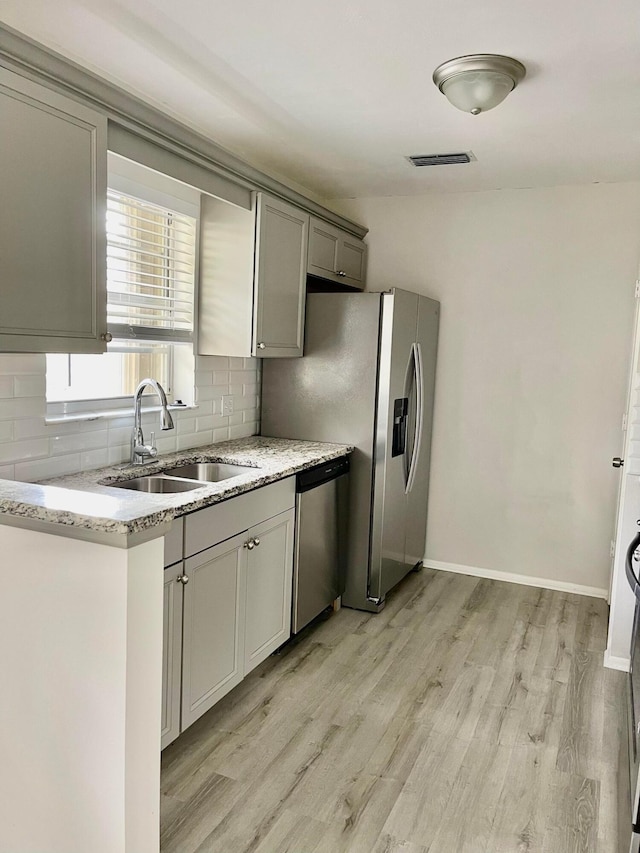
x=320, y=540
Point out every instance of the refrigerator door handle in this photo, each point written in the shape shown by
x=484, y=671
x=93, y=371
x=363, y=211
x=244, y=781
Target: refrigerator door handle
x=417, y=360
x=410, y=380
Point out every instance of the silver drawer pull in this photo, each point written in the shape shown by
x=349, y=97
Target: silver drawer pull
x=256, y=542
x=250, y=544
x=183, y=579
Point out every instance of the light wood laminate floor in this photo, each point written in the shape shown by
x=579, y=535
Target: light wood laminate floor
x=469, y=716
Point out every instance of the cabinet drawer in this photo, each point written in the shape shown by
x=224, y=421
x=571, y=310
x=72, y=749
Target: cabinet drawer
x=206, y=527
x=173, y=542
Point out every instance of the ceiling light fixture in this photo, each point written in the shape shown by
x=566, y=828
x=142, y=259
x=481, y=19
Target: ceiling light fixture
x=478, y=82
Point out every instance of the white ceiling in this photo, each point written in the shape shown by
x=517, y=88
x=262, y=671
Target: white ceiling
x=333, y=95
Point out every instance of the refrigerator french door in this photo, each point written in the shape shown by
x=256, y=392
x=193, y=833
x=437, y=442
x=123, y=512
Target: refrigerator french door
x=367, y=378
x=408, y=340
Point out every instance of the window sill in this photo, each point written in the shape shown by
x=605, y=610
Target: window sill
x=107, y=414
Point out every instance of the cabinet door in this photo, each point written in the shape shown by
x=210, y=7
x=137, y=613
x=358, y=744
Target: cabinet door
x=53, y=174
x=171, y=654
x=336, y=255
x=324, y=241
x=269, y=579
x=213, y=629
x=280, y=278
x=352, y=261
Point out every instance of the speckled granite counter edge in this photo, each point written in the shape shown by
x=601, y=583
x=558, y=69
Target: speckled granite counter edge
x=87, y=506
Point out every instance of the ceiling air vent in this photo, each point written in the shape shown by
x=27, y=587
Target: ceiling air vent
x=441, y=159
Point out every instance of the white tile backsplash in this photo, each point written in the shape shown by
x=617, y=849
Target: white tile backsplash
x=37, y=450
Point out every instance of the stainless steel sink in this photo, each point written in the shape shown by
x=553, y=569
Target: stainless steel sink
x=210, y=472
x=157, y=485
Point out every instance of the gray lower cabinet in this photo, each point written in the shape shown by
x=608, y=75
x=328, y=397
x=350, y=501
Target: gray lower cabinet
x=269, y=584
x=53, y=174
x=336, y=255
x=227, y=607
x=253, y=267
x=213, y=627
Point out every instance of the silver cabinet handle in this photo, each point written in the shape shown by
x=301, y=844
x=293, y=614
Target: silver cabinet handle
x=340, y=272
x=617, y=462
x=256, y=541
x=250, y=544
x=183, y=579
x=261, y=345
x=107, y=337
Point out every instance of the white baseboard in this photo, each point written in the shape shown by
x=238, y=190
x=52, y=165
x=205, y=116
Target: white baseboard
x=511, y=577
x=613, y=662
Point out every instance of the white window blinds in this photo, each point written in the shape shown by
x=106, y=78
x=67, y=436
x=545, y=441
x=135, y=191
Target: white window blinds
x=150, y=270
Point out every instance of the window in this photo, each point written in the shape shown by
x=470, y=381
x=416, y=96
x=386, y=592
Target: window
x=151, y=259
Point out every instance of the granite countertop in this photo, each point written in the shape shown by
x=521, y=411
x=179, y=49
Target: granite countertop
x=89, y=502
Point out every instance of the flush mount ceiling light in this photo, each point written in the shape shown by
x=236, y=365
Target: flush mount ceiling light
x=478, y=82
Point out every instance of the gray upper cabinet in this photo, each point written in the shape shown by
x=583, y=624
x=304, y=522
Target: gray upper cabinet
x=280, y=278
x=252, y=278
x=53, y=176
x=336, y=255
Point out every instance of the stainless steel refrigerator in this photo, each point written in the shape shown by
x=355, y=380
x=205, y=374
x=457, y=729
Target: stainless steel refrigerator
x=367, y=378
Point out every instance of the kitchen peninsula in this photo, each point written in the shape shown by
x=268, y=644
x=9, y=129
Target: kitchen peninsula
x=83, y=631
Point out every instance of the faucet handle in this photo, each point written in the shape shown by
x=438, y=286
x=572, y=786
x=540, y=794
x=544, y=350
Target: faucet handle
x=152, y=443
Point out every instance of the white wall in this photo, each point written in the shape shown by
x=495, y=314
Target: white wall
x=32, y=450
x=536, y=287
x=81, y=698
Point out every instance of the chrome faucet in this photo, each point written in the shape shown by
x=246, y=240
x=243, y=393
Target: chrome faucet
x=141, y=452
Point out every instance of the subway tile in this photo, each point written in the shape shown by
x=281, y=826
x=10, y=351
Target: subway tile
x=21, y=407
x=250, y=416
x=235, y=390
x=43, y=469
x=212, y=362
x=220, y=434
x=6, y=386
x=220, y=377
x=194, y=439
x=7, y=472
x=32, y=385
x=250, y=389
x=251, y=363
x=81, y=441
x=210, y=392
x=28, y=363
x=119, y=423
x=167, y=443
x=16, y=451
x=204, y=377
x=211, y=422
x=235, y=419
x=241, y=403
x=32, y=428
x=119, y=453
x=91, y=459
x=119, y=436
x=204, y=407
x=242, y=430
x=186, y=425
x=6, y=430
x=239, y=377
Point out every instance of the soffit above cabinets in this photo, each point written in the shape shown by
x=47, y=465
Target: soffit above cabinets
x=332, y=97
